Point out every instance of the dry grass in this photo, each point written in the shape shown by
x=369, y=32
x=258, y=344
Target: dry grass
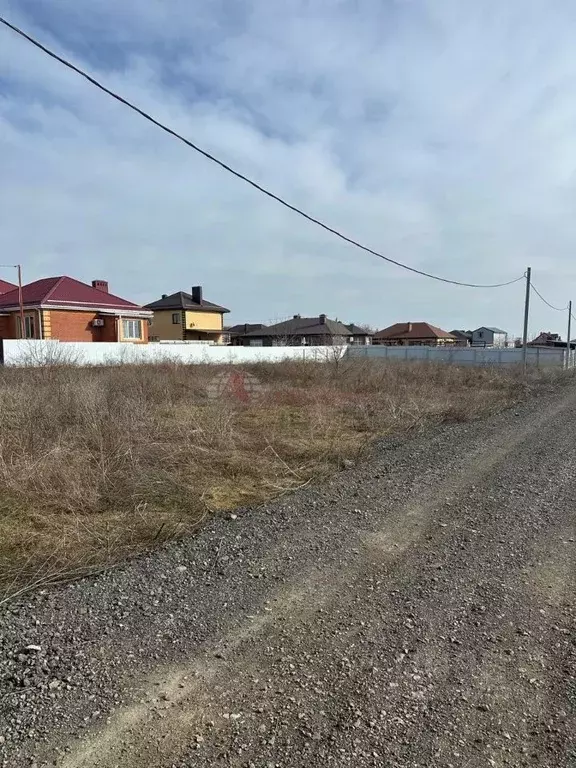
x=99, y=463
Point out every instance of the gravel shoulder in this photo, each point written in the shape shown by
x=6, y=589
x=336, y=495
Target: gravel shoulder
x=415, y=611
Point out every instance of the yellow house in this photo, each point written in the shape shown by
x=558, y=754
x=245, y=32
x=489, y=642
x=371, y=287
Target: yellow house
x=186, y=317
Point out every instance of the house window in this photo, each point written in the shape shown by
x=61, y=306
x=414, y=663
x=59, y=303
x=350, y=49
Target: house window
x=29, y=327
x=256, y=342
x=176, y=318
x=480, y=334
x=131, y=329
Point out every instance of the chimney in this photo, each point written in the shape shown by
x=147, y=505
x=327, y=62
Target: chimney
x=164, y=295
x=296, y=317
x=197, y=294
x=100, y=285
x=409, y=327
x=322, y=319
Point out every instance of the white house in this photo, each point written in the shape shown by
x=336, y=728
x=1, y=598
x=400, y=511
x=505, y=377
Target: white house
x=489, y=337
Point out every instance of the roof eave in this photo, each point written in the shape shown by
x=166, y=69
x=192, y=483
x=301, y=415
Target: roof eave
x=81, y=308
x=185, y=308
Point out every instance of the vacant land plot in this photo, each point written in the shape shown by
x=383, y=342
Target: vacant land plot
x=100, y=463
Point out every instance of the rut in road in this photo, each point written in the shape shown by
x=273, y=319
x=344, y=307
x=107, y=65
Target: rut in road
x=433, y=628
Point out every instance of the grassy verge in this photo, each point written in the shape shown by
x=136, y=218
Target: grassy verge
x=99, y=463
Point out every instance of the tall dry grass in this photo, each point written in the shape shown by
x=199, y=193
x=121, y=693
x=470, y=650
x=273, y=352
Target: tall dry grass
x=99, y=463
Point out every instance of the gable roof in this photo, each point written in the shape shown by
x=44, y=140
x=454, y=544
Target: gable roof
x=489, y=328
x=413, y=331
x=304, y=326
x=461, y=334
x=357, y=330
x=182, y=300
x=65, y=292
x=242, y=328
x=5, y=286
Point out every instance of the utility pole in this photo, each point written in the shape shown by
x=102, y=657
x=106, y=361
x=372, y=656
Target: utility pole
x=526, y=314
x=21, y=302
x=568, y=334
x=20, y=297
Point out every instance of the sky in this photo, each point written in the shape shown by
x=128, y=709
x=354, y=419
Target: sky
x=440, y=133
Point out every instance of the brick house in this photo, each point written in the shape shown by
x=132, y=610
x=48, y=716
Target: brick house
x=65, y=309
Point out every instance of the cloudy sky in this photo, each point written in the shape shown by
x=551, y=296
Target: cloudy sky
x=439, y=132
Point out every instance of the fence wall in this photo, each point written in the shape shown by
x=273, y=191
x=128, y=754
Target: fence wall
x=467, y=355
x=29, y=352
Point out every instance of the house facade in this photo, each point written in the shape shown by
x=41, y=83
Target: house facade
x=317, y=331
x=187, y=317
x=65, y=309
x=413, y=335
x=488, y=336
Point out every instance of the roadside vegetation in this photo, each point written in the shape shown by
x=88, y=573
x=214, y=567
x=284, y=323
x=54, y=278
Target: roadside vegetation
x=97, y=464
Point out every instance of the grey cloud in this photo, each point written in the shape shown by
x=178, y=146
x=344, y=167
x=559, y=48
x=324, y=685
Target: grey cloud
x=441, y=134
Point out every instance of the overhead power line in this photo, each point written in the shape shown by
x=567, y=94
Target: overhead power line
x=239, y=175
x=537, y=292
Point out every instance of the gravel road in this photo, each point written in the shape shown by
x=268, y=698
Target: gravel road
x=415, y=611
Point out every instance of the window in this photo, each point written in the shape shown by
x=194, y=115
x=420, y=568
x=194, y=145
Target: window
x=29, y=327
x=131, y=329
x=480, y=334
x=176, y=318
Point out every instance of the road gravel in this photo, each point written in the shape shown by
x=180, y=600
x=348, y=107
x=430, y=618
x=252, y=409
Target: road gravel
x=415, y=611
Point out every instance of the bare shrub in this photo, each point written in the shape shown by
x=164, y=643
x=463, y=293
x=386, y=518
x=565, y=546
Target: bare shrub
x=46, y=354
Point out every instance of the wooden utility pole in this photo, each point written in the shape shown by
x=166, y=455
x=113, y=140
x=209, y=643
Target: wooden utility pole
x=21, y=302
x=526, y=315
x=568, y=334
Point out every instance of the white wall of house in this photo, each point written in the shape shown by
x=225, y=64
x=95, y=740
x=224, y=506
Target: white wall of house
x=487, y=337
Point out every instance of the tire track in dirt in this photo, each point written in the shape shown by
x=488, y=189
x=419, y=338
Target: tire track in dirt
x=156, y=730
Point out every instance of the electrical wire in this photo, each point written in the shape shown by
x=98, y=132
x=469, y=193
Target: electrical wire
x=239, y=175
x=537, y=292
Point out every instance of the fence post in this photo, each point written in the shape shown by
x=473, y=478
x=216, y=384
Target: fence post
x=1, y=351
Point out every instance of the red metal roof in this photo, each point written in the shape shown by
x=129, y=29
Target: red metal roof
x=63, y=292
x=413, y=331
x=5, y=286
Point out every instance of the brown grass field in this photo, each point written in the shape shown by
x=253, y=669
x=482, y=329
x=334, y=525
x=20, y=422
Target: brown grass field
x=97, y=464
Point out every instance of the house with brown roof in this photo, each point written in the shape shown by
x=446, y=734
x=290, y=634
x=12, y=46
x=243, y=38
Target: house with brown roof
x=187, y=317
x=306, y=331
x=66, y=309
x=412, y=335
x=234, y=334
x=463, y=338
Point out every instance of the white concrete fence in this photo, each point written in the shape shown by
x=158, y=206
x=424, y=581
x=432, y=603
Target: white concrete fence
x=38, y=353
x=468, y=355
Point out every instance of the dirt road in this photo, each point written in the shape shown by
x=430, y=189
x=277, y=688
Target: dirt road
x=418, y=610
